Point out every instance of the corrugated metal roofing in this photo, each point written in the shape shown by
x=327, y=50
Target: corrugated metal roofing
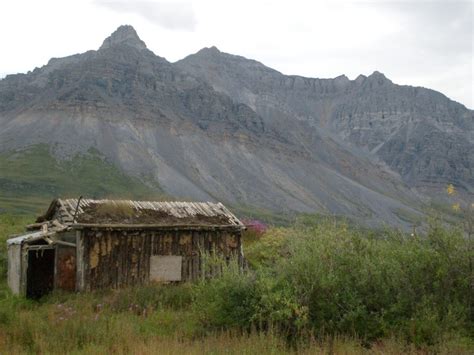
x=66, y=208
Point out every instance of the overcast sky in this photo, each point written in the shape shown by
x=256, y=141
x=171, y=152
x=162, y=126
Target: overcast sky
x=417, y=42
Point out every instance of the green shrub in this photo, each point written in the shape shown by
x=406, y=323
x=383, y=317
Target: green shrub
x=372, y=287
x=265, y=250
x=226, y=301
x=247, y=299
x=330, y=279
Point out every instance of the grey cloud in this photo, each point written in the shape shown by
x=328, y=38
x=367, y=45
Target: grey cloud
x=169, y=15
x=444, y=27
x=435, y=43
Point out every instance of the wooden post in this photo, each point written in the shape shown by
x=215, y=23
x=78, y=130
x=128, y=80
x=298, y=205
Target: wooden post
x=24, y=270
x=79, y=261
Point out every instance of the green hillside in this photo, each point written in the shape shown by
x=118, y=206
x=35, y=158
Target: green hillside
x=30, y=178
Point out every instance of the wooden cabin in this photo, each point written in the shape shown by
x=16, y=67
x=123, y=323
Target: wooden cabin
x=84, y=245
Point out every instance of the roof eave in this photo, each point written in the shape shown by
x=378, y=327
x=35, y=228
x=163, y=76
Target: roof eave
x=155, y=226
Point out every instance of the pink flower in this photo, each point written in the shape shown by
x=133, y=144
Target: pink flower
x=255, y=225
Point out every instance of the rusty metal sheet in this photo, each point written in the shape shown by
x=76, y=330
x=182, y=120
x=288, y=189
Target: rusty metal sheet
x=66, y=268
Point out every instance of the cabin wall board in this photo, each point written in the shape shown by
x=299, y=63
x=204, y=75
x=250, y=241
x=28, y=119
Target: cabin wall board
x=14, y=268
x=80, y=265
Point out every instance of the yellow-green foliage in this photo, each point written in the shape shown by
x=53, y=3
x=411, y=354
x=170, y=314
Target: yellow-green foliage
x=265, y=249
x=120, y=209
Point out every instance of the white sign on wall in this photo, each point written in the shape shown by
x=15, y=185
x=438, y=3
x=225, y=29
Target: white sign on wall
x=165, y=268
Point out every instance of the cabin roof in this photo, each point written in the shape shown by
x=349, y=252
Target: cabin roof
x=139, y=213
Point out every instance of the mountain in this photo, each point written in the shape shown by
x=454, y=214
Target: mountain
x=220, y=127
x=419, y=133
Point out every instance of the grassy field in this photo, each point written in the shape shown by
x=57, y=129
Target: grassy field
x=315, y=287
x=30, y=179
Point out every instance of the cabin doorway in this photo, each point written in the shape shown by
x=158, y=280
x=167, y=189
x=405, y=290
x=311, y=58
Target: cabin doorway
x=40, y=273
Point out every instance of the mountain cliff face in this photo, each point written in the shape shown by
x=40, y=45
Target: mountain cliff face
x=422, y=135
x=220, y=127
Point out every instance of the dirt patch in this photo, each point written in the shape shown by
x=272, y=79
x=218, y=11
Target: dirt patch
x=95, y=213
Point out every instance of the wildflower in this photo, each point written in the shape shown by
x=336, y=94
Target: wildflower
x=256, y=226
x=456, y=207
x=450, y=189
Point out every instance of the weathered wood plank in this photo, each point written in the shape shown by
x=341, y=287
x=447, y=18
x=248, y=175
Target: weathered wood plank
x=122, y=257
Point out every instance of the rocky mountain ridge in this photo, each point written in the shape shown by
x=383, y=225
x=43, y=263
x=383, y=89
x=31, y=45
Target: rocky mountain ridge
x=220, y=127
x=419, y=133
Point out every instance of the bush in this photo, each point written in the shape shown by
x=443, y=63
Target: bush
x=267, y=249
x=330, y=279
x=374, y=287
x=227, y=301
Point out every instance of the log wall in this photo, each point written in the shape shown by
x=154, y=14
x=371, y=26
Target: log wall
x=118, y=258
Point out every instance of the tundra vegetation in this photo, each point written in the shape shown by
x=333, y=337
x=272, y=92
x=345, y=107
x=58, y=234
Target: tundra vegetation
x=31, y=178
x=316, y=286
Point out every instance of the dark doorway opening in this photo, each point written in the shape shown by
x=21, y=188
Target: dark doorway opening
x=40, y=275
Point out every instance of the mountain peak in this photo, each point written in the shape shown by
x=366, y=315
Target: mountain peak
x=213, y=49
x=342, y=78
x=378, y=77
x=125, y=34
x=360, y=79
x=210, y=51
x=377, y=74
